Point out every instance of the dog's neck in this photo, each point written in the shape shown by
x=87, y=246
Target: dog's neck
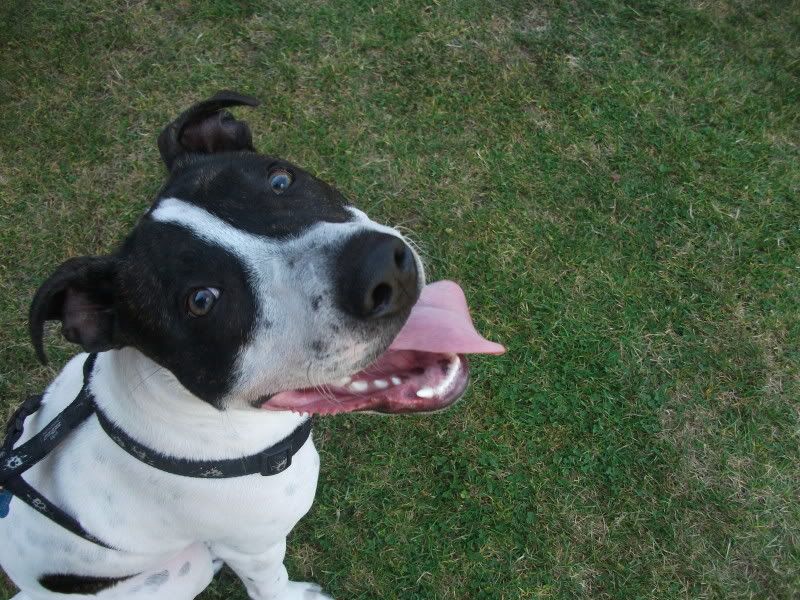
x=156, y=410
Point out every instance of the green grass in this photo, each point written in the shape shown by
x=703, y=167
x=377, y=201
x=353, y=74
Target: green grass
x=615, y=184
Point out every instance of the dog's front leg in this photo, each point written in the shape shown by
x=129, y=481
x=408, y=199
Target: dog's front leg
x=264, y=575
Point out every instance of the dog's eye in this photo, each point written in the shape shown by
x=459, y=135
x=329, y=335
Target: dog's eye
x=280, y=180
x=201, y=300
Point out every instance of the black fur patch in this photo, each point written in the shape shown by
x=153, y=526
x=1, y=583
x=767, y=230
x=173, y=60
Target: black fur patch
x=235, y=187
x=78, y=584
x=160, y=264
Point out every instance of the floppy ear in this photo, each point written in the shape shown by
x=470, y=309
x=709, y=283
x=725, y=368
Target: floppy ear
x=207, y=128
x=80, y=294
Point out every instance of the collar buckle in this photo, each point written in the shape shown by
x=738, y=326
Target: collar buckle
x=276, y=461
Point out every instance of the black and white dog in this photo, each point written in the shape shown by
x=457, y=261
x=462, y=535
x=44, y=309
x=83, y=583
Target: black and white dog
x=248, y=297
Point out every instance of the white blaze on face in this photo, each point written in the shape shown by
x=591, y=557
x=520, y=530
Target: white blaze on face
x=286, y=276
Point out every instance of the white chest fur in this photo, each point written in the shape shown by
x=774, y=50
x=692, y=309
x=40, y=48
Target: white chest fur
x=148, y=514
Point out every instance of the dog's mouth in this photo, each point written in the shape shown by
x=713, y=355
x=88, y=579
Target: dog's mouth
x=424, y=369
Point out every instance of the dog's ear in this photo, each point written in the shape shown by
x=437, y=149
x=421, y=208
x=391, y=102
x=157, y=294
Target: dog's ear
x=80, y=294
x=206, y=127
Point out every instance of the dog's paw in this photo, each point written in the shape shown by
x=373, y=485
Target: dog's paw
x=302, y=590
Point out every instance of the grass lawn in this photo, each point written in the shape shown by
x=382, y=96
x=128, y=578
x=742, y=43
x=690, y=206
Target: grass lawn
x=615, y=184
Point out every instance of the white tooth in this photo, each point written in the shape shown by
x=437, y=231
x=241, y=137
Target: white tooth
x=345, y=380
x=396, y=380
x=359, y=386
x=381, y=384
x=425, y=392
x=452, y=371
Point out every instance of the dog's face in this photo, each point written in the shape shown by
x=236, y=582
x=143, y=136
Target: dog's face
x=247, y=277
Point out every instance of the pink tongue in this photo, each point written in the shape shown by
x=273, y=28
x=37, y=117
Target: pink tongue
x=440, y=322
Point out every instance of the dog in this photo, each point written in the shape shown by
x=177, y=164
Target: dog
x=250, y=296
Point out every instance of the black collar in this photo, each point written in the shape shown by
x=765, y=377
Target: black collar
x=15, y=461
x=270, y=461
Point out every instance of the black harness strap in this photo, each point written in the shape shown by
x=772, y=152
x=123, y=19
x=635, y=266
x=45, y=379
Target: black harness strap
x=15, y=461
x=22, y=490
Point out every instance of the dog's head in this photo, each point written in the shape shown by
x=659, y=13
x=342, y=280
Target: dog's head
x=255, y=283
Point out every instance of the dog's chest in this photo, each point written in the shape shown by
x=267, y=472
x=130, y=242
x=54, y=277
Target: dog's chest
x=141, y=509
x=138, y=508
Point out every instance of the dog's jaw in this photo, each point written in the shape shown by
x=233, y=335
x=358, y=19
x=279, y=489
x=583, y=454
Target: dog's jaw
x=423, y=370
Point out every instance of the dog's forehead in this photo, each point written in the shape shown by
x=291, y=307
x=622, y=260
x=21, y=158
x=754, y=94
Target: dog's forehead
x=235, y=187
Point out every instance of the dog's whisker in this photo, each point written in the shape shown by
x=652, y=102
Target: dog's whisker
x=324, y=389
x=143, y=379
x=328, y=394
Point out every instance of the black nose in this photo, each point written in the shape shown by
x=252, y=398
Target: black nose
x=376, y=276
